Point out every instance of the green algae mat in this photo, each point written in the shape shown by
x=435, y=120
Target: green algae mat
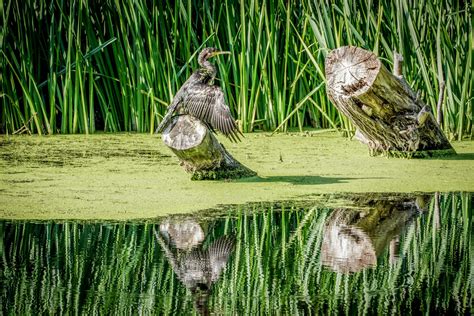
x=134, y=176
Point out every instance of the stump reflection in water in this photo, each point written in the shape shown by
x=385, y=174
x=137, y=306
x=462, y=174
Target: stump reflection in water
x=353, y=238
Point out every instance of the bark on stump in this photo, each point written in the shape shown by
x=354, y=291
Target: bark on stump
x=200, y=153
x=390, y=118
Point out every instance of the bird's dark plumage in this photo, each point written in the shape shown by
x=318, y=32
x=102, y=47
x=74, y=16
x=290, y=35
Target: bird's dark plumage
x=200, y=98
x=200, y=268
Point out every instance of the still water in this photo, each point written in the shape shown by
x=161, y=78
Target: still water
x=368, y=254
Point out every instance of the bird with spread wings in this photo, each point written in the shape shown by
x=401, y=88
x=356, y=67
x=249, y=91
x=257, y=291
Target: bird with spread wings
x=199, y=97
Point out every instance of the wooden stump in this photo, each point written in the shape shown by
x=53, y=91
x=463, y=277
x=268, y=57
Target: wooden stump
x=390, y=118
x=200, y=153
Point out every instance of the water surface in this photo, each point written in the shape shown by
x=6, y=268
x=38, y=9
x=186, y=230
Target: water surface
x=367, y=254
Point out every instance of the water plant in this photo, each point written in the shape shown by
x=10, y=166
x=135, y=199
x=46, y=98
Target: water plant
x=273, y=81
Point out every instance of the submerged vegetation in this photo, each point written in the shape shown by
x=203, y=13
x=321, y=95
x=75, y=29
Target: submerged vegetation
x=82, y=66
x=275, y=267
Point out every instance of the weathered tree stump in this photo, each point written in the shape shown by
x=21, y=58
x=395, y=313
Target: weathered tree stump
x=200, y=153
x=390, y=118
x=354, y=238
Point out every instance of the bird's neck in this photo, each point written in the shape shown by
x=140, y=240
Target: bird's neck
x=209, y=70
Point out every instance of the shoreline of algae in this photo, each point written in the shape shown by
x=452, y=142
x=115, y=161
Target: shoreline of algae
x=130, y=176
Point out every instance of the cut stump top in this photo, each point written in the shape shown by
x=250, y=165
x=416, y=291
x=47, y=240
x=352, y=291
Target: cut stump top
x=351, y=71
x=183, y=133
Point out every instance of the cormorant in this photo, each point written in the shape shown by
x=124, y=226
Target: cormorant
x=200, y=98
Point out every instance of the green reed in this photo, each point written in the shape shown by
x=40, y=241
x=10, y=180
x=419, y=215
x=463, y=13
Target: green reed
x=75, y=267
x=71, y=267
x=273, y=80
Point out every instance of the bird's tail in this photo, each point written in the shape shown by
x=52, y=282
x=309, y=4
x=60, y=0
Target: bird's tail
x=166, y=119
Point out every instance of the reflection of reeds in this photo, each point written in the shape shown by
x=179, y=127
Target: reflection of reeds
x=86, y=268
x=120, y=268
x=274, y=77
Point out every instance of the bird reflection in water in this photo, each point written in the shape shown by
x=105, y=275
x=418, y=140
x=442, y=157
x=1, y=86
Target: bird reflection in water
x=196, y=268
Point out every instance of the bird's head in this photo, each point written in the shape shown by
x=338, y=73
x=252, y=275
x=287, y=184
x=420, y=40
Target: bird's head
x=209, y=52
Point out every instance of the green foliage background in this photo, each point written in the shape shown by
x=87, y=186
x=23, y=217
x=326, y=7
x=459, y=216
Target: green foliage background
x=82, y=66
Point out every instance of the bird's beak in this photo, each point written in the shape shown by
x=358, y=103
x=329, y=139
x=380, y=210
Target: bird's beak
x=219, y=53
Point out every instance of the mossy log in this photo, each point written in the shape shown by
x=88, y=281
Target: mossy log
x=390, y=118
x=353, y=238
x=200, y=153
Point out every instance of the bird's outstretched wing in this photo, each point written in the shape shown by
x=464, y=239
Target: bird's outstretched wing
x=207, y=103
x=219, y=253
